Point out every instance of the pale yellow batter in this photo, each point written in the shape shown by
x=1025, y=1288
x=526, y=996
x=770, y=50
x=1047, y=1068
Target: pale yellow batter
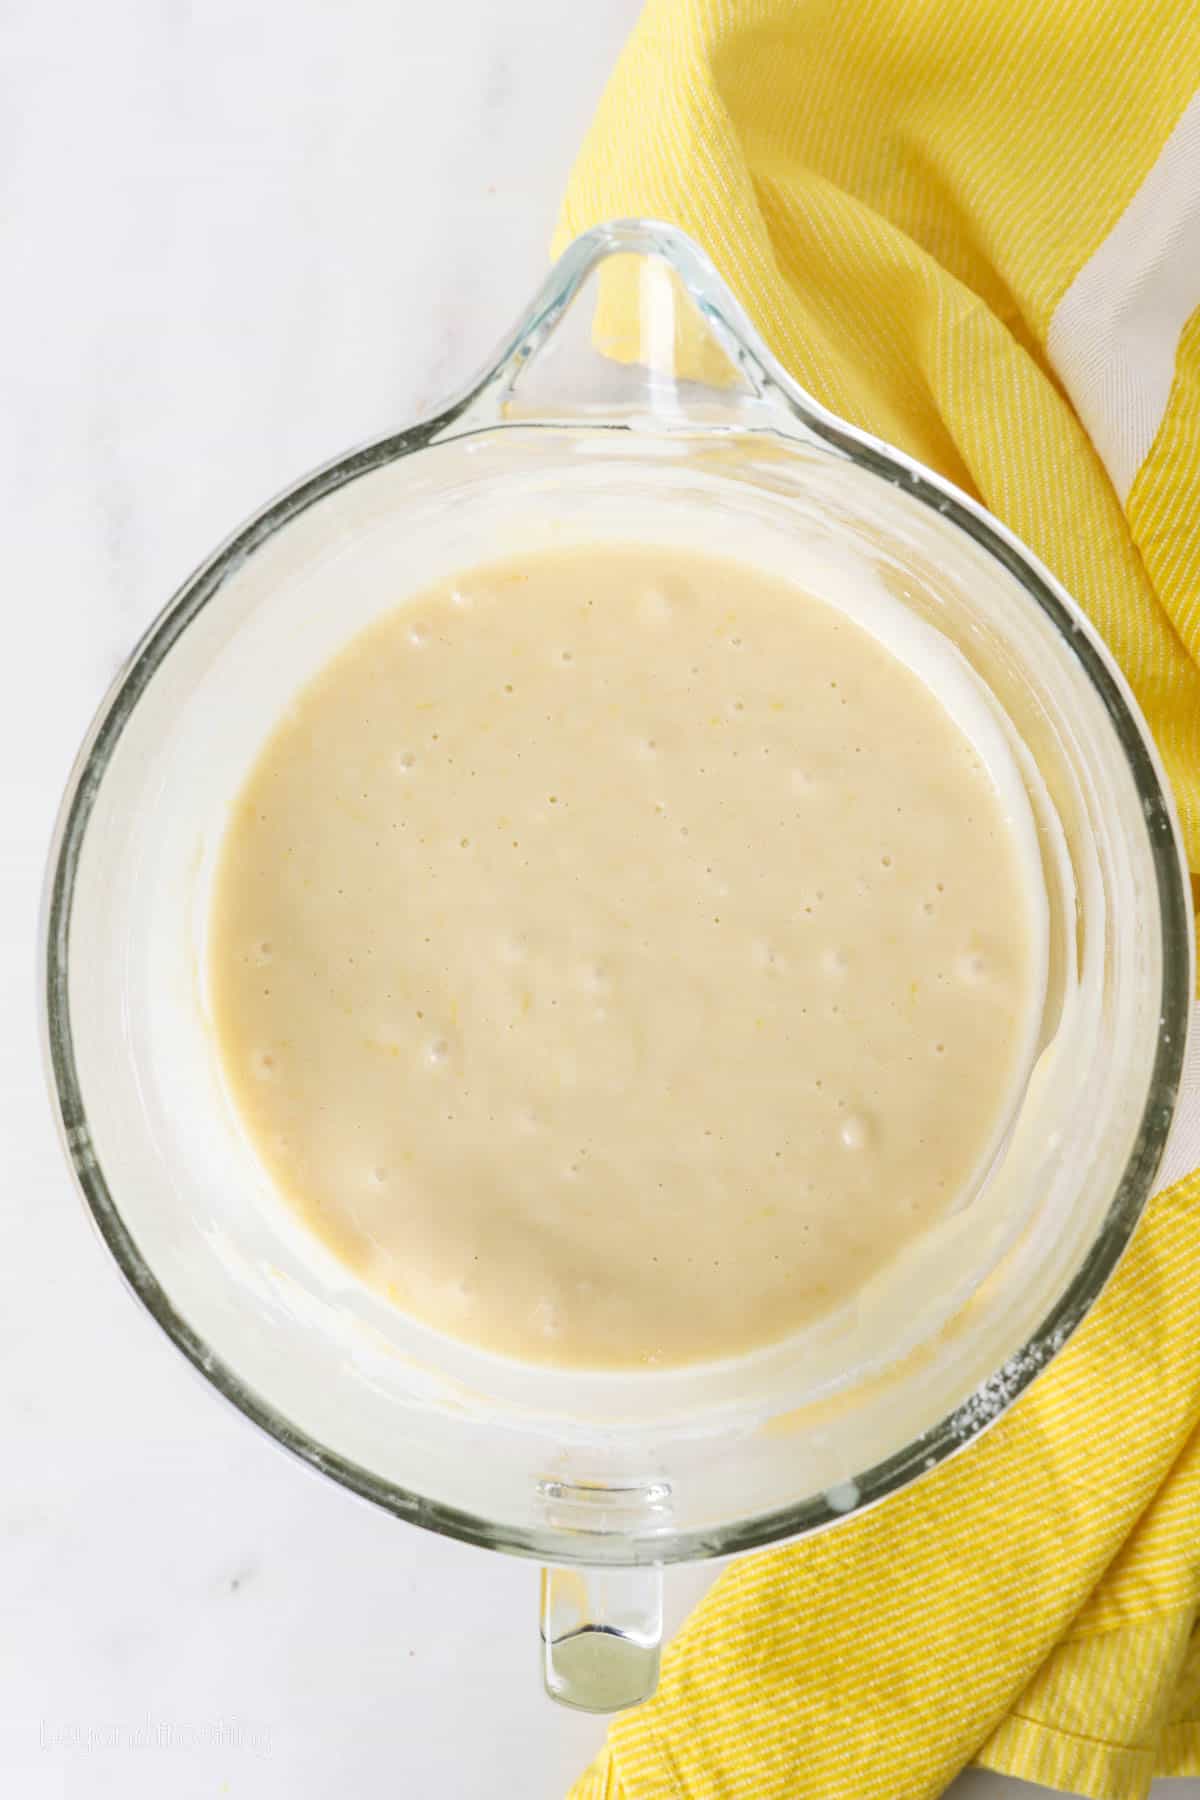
x=617, y=956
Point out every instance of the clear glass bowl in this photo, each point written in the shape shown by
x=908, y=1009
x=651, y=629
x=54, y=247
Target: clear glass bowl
x=633, y=401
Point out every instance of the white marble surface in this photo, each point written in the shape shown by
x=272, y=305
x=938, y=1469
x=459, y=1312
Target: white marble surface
x=238, y=238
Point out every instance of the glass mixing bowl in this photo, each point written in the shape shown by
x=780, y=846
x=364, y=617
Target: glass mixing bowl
x=633, y=401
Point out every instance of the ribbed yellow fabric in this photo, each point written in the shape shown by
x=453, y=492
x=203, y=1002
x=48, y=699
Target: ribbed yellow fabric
x=901, y=191
x=1164, y=517
x=1030, y=1606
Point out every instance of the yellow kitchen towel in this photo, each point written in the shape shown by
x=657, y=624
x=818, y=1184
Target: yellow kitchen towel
x=973, y=227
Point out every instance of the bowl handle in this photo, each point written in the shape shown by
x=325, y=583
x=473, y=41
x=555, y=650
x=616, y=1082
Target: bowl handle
x=634, y=324
x=601, y=1636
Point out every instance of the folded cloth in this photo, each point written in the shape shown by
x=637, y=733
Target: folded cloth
x=973, y=229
